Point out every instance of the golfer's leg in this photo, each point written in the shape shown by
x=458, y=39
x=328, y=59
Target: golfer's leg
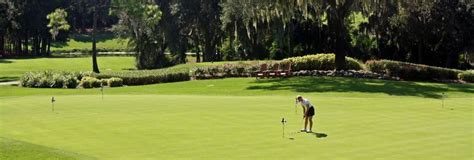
x=310, y=123
x=305, y=122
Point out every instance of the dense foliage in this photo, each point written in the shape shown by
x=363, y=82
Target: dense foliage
x=148, y=76
x=467, y=76
x=437, y=33
x=49, y=79
x=321, y=62
x=411, y=71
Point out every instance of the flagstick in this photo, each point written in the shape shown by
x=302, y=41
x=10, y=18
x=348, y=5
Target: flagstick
x=52, y=104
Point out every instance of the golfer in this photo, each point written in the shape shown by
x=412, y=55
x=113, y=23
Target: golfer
x=308, y=113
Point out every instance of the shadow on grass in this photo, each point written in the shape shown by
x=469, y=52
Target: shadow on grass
x=336, y=84
x=15, y=149
x=320, y=135
x=5, y=61
x=8, y=78
x=86, y=38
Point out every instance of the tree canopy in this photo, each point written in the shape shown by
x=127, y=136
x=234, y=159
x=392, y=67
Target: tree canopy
x=433, y=32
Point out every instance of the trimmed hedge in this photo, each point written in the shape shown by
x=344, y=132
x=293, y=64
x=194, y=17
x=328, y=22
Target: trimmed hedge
x=90, y=82
x=321, y=62
x=226, y=70
x=148, y=76
x=115, y=82
x=49, y=79
x=411, y=71
x=467, y=76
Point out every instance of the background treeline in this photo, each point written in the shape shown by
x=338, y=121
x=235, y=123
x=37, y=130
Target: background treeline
x=432, y=32
x=24, y=28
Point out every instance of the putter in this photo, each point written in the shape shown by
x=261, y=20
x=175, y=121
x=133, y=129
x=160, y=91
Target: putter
x=52, y=103
x=283, y=121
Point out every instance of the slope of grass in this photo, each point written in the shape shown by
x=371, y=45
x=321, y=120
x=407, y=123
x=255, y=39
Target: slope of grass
x=18, y=150
x=13, y=69
x=83, y=42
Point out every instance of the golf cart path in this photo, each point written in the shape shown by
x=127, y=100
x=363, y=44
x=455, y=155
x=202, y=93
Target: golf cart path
x=10, y=83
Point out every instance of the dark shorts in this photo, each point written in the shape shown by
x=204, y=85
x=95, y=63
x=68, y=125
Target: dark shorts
x=310, y=112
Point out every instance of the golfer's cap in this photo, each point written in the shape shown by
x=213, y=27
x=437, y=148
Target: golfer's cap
x=299, y=96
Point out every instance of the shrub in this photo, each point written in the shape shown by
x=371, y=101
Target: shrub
x=90, y=82
x=226, y=70
x=411, y=71
x=148, y=76
x=115, y=82
x=320, y=62
x=48, y=79
x=70, y=81
x=466, y=76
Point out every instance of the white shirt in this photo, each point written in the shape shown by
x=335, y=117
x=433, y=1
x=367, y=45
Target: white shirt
x=306, y=103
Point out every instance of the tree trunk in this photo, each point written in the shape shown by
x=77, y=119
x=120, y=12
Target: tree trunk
x=209, y=54
x=18, y=45
x=35, y=46
x=43, y=46
x=25, y=43
x=336, y=23
x=2, y=45
x=95, y=67
x=420, y=53
x=198, y=52
x=49, y=46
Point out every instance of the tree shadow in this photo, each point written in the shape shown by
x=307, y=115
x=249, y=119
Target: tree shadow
x=59, y=44
x=5, y=61
x=86, y=38
x=337, y=84
x=8, y=78
x=100, y=37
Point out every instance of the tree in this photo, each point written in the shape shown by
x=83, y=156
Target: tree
x=335, y=13
x=138, y=20
x=57, y=21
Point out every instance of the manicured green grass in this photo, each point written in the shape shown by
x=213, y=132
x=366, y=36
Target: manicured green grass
x=12, y=149
x=13, y=69
x=83, y=42
x=240, y=119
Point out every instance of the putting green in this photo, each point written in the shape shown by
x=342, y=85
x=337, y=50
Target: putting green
x=237, y=127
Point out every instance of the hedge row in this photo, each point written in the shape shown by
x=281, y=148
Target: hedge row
x=148, y=76
x=467, y=76
x=49, y=79
x=321, y=62
x=223, y=71
x=411, y=71
x=92, y=82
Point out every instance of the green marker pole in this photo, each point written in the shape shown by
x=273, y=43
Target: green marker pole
x=52, y=103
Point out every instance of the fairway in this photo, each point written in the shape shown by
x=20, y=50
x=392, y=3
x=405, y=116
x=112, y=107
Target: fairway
x=124, y=125
x=13, y=69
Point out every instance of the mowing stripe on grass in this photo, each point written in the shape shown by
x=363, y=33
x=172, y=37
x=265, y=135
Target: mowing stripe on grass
x=241, y=127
